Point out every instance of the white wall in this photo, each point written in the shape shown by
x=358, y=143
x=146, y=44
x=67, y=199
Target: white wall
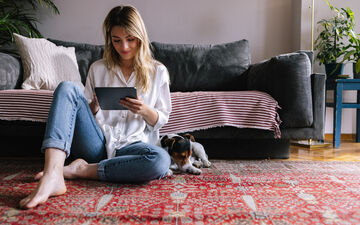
x=267, y=24
x=272, y=26
x=323, y=11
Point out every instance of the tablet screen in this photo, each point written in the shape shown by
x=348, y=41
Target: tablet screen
x=109, y=97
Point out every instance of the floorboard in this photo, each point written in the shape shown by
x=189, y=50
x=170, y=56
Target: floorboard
x=348, y=151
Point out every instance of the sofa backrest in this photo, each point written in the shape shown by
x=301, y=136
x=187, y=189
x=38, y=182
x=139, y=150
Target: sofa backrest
x=191, y=67
x=204, y=67
x=287, y=79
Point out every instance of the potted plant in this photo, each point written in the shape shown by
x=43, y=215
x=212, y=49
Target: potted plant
x=353, y=53
x=17, y=16
x=330, y=42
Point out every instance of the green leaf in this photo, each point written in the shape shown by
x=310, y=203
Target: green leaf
x=15, y=17
x=357, y=66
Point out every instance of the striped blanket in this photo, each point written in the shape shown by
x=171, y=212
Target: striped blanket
x=190, y=110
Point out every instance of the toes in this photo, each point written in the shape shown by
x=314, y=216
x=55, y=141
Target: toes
x=38, y=175
x=34, y=202
x=23, y=202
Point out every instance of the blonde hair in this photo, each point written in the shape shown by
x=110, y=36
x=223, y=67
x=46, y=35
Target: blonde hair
x=129, y=18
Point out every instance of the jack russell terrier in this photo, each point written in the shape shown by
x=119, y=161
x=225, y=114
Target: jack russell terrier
x=186, y=154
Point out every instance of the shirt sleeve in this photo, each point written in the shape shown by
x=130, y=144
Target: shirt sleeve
x=163, y=102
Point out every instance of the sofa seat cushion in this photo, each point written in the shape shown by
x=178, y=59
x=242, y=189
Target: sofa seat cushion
x=27, y=105
x=191, y=111
x=204, y=67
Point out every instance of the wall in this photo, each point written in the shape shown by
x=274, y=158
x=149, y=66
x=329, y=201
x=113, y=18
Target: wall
x=267, y=24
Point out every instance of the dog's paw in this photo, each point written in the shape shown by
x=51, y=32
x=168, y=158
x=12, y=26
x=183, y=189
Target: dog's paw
x=174, y=167
x=194, y=171
x=197, y=164
x=206, y=163
x=169, y=173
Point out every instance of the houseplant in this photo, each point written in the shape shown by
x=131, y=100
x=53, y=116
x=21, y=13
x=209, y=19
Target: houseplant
x=17, y=16
x=353, y=53
x=330, y=42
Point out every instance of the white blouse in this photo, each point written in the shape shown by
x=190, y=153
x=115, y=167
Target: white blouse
x=122, y=127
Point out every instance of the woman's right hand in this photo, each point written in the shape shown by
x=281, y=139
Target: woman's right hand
x=94, y=105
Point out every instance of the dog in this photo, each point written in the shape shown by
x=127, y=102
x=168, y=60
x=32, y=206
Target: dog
x=187, y=155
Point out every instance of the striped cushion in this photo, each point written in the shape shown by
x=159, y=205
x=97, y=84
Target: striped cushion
x=190, y=110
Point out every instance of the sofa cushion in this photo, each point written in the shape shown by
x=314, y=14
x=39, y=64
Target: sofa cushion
x=287, y=79
x=45, y=64
x=86, y=54
x=204, y=67
x=11, y=75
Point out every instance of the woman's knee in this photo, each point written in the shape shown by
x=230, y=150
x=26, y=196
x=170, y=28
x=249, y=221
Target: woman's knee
x=67, y=88
x=161, y=162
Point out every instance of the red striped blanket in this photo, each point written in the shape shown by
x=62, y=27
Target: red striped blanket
x=190, y=110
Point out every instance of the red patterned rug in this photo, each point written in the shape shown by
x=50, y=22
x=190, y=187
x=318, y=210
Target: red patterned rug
x=230, y=192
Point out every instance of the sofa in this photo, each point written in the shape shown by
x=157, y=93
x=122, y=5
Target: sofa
x=222, y=68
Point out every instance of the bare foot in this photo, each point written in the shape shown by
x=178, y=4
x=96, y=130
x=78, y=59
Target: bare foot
x=73, y=170
x=49, y=185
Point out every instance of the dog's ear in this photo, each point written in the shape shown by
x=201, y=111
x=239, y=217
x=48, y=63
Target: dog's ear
x=164, y=140
x=189, y=137
x=167, y=142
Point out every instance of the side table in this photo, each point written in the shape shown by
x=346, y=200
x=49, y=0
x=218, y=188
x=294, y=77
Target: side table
x=340, y=85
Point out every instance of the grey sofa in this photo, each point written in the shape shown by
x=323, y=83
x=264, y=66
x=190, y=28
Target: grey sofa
x=224, y=67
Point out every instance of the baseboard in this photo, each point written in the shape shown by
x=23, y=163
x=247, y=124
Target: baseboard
x=344, y=137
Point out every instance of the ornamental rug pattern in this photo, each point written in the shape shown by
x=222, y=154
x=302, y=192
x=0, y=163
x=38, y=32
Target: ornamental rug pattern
x=230, y=192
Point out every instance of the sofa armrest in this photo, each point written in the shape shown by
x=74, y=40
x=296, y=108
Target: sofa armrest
x=287, y=79
x=319, y=95
x=11, y=75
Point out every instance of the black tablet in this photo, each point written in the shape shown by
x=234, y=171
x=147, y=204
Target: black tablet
x=109, y=97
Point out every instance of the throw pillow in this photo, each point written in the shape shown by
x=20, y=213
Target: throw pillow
x=85, y=53
x=45, y=64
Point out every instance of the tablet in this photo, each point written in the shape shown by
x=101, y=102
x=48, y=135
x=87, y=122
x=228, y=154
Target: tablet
x=109, y=97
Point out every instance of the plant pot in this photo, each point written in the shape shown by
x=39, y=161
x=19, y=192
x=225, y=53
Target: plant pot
x=334, y=69
x=356, y=75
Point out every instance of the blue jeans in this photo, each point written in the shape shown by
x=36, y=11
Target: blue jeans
x=71, y=127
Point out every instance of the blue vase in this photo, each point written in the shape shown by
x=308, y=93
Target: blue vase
x=333, y=69
x=356, y=75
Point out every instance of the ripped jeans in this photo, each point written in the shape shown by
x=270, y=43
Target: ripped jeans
x=72, y=128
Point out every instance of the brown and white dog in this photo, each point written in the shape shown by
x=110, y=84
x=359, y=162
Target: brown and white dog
x=186, y=154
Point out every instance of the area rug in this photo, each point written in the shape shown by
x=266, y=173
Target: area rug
x=230, y=192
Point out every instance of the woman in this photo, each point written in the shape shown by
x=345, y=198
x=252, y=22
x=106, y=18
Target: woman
x=126, y=138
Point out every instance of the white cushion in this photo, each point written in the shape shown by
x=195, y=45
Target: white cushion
x=45, y=64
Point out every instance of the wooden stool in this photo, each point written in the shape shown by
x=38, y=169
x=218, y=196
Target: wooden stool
x=340, y=85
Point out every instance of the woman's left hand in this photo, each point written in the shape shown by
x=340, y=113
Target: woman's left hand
x=137, y=106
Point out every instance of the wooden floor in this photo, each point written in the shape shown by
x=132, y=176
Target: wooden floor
x=348, y=151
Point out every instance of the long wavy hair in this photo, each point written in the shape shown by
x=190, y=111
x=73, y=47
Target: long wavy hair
x=129, y=18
